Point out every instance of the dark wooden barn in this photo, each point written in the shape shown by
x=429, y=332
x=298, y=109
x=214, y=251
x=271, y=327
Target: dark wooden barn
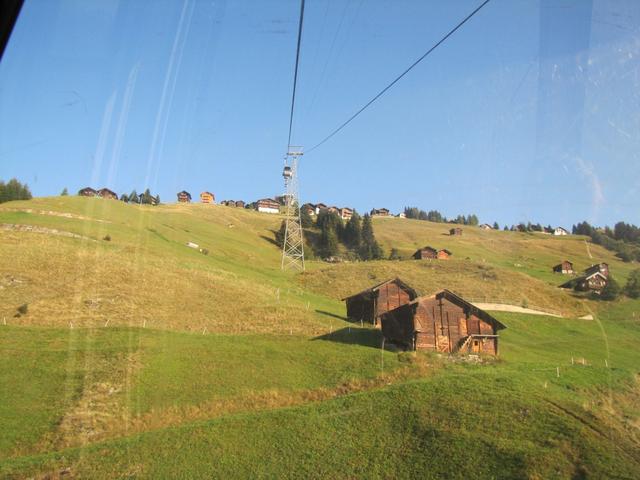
x=455, y=231
x=426, y=253
x=430, y=253
x=369, y=304
x=443, y=322
x=565, y=267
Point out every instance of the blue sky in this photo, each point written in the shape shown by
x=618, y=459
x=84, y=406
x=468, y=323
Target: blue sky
x=530, y=112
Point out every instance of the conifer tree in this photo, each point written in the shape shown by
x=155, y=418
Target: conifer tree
x=329, y=242
x=305, y=219
x=611, y=290
x=353, y=232
x=632, y=288
x=14, y=190
x=146, y=197
x=370, y=249
x=64, y=192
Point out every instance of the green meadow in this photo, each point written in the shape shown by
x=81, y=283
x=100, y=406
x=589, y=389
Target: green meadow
x=140, y=357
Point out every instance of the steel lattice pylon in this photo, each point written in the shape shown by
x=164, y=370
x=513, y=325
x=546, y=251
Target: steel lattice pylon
x=293, y=245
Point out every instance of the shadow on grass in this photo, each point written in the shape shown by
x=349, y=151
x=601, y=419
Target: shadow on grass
x=367, y=337
x=270, y=240
x=329, y=314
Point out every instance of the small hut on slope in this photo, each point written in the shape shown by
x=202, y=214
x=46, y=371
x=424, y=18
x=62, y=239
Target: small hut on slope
x=369, y=304
x=443, y=322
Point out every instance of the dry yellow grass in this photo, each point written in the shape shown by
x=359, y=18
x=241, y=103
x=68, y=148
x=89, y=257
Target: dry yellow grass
x=473, y=280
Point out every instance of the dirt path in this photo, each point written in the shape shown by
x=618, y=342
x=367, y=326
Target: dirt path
x=53, y=214
x=35, y=229
x=501, y=307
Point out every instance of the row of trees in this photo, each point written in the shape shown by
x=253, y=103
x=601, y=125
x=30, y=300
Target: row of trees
x=144, y=198
x=624, y=238
x=356, y=236
x=631, y=289
x=14, y=190
x=436, y=216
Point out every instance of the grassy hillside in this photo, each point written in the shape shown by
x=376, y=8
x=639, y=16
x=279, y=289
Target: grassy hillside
x=141, y=357
x=146, y=274
x=514, y=418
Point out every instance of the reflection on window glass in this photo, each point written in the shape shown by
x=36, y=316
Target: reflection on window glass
x=320, y=239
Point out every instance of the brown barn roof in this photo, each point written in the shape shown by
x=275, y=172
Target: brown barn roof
x=458, y=300
x=379, y=285
x=105, y=191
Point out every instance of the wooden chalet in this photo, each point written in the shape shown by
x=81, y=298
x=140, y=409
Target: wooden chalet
x=560, y=231
x=207, y=197
x=595, y=282
x=239, y=204
x=332, y=210
x=594, y=279
x=184, y=197
x=368, y=305
x=486, y=226
x=87, y=192
x=267, y=205
x=380, y=212
x=426, y=253
x=443, y=322
x=108, y=194
x=565, y=267
x=455, y=231
x=345, y=213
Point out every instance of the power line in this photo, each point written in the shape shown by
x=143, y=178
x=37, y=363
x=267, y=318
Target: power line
x=382, y=92
x=295, y=74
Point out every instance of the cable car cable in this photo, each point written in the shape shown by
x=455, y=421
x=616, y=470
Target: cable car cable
x=295, y=73
x=383, y=91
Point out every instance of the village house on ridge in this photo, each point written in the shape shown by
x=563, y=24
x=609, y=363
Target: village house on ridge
x=207, y=197
x=184, y=197
x=267, y=205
